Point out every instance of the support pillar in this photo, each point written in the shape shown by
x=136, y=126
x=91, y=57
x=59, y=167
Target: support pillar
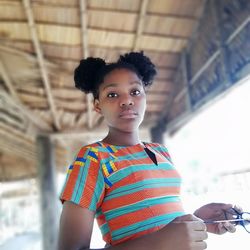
x=157, y=132
x=48, y=194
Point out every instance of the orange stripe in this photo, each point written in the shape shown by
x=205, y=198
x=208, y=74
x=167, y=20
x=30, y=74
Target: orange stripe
x=137, y=235
x=91, y=179
x=126, y=163
x=70, y=185
x=146, y=174
x=139, y=196
x=101, y=220
x=143, y=214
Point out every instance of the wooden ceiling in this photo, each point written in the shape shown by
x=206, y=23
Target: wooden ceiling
x=42, y=42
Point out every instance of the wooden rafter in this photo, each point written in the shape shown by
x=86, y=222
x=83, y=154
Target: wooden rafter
x=85, y=52
x=13, y=97
x=41, y=61
x=139, y=30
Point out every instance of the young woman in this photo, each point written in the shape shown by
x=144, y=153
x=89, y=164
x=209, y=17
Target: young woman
x=130, y=186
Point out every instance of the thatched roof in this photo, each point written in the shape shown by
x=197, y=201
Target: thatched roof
x=42, y=42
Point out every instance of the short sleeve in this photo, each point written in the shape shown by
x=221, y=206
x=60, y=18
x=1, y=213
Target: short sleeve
x=84, y=184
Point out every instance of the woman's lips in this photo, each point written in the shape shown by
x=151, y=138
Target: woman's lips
x=128, y=114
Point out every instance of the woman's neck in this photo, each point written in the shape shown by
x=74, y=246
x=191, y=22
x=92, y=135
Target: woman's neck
x=121, y=138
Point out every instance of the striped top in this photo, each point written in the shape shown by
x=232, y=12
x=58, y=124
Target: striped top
x=131, y=196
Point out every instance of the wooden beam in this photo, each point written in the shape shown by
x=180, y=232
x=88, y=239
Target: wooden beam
x=41, y=61
x=85, y=52
x=14, y=99
x=139, y=30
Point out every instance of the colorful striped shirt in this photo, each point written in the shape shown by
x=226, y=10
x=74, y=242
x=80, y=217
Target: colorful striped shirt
x=130, y=194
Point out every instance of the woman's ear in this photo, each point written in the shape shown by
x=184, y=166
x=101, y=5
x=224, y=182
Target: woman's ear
x=96, y=106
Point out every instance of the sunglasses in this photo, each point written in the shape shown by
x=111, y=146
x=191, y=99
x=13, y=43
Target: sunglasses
x=235, y=217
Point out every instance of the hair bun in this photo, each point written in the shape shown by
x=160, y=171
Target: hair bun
x=86, y=73
x=142, y=63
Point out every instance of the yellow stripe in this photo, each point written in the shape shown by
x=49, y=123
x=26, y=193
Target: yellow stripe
x=106, y=173
x=91, y=158
x=80, y=163
x=113, y=165
x=95, y=150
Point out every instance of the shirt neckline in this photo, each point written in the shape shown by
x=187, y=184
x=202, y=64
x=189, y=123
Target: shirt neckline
x=141, y=144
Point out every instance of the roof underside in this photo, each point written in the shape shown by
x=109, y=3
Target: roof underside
x=43, y=41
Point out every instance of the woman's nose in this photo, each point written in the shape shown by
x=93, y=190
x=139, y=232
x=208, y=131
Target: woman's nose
x=126, y=101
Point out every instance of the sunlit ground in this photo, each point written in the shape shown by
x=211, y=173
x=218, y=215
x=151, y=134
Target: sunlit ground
x=207, y=152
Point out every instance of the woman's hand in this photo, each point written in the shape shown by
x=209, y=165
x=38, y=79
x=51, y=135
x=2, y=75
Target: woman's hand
x=187, y=233
x=216, y=212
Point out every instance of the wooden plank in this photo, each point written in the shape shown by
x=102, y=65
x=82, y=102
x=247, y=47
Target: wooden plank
x=15, y=101
x=85, y=52
x=40, y=57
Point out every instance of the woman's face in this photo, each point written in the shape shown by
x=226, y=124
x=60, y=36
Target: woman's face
x=122, y=100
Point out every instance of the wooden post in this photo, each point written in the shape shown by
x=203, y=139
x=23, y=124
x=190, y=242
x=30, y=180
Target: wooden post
x=49, y=197
x=157, y=132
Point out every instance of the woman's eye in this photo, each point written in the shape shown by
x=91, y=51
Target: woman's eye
x=136, y=92
x=110, y=95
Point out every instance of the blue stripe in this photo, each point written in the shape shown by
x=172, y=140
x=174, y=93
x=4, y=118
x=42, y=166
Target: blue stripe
x=107, y=182
x=109, y=168
x=110, y=149
x=81, y=159
x=93, y=154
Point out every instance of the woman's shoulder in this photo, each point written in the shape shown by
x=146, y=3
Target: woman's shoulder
x=155, y=145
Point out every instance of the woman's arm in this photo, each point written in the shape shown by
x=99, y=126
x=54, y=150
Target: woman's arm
x=186, y=232
x=76, y=226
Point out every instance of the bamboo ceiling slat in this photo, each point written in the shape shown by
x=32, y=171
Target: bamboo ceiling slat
x=164, y=73
x=163, y=44
x=128, y=5
x=169, y=26
x=31, y=98
x=12, y=11
x=112, y=20
x=58, y=2
x=59, y=34
x=57, y=15
x=71, y=106
x=68, y=94
x=15, y=30
x=179, y=7
x=162, y=86
x=30, y=89
x=110, y=39
x=156, y=98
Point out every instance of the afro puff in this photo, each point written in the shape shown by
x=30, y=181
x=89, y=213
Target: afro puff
x=85, y=75
x=142, y=63
x=91, y=71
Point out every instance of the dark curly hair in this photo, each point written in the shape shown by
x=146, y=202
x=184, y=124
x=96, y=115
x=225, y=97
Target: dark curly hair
x=90, y=73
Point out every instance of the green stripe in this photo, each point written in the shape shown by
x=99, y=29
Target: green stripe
x=144, y=225
x=111, y=214
x=99, y=187
x=104, y=228
x=140, y=185
x=124, y=172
